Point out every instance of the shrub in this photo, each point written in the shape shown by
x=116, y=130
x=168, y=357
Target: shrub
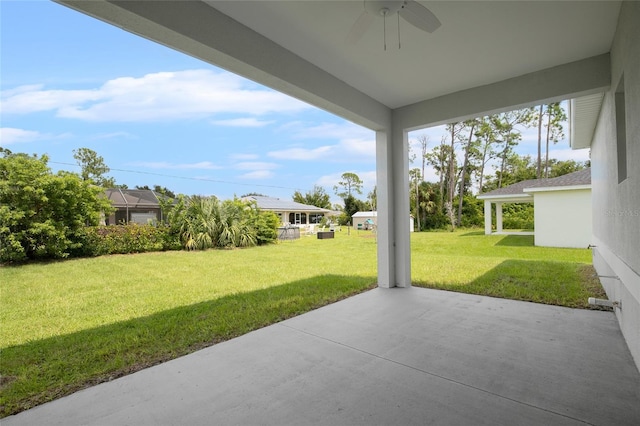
x=267, y=228
x=42, y=214
x=125, y=239
x=517, y=216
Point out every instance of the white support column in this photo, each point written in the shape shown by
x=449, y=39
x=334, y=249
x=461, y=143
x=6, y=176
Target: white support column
x=394, y=246
x=498, y=217
x=487, y=217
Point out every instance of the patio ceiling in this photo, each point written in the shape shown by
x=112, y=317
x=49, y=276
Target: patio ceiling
x=300, y=48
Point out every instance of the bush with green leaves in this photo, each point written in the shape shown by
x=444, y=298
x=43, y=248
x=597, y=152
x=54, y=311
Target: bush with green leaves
x=206, y=222
x=125, y=239
x=517, y=216
x=43, y=214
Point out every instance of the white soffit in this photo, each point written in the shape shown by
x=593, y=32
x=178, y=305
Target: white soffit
x=479, y=42
x=583, y=118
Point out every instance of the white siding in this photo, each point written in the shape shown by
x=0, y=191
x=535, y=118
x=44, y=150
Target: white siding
x=616, y=205
x=563, y=218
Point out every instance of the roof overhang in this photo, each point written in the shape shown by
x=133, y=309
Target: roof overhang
x=558, y=188
x=583, y=117
x=298, y=48
x=507, y=198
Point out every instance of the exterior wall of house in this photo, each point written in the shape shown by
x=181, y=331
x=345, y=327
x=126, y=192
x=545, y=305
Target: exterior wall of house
x=361, y=217
x=616, y=193
x=563, y=218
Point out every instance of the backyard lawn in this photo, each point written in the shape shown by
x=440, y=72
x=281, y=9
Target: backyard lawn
x=70, y=324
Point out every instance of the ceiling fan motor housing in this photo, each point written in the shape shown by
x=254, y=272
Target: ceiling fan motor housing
x=383, y=7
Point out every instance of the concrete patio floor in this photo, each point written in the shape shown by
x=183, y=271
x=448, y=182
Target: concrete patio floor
x=389, y=357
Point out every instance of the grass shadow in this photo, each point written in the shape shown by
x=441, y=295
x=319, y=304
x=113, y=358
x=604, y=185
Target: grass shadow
x=46, y=369
x=566, y=284
x=472, y=234
x=516, y=241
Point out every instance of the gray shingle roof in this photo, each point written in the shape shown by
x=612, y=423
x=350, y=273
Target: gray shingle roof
x=133, y=197
x=276, y=204
x=581, y=177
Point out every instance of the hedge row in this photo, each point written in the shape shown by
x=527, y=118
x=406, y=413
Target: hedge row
x=124, y=239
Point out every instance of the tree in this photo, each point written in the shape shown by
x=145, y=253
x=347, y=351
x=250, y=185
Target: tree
x=555, y=117
x=469, y=147
x=415, y=179
x=351, y=206
x=507, y=132
x=316, y=197
x=454, y=130
x=350, y=183
x=158, y=189
x=485, y=152
x=372, y=198
x=93, y=167
x=42, y=214
x=539, y=116
x=439, y=160
x=559, y=168
x=423, y=140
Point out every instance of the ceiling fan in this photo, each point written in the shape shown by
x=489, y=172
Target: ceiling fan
x=410, y=10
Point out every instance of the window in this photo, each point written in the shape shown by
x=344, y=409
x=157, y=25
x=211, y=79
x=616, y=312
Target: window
x=298, y=218
x=315, y=217
x=621, y=131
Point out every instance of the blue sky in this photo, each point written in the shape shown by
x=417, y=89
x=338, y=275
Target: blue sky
x=160, y=117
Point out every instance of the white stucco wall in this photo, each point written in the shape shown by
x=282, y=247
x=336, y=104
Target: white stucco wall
x=616, y=205
x=563, y=218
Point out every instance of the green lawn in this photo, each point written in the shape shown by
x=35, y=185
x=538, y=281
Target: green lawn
x=68, y=325
x=503, y=266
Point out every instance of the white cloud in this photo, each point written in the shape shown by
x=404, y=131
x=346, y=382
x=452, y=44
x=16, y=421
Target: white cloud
x=242, y=122
x=256, y=165
x=202, y=165
x=153, y=97
x=11, y=135
x=570, y=154
x=257, y=175
x=114, y=135
x=305, y=154
x=343, y=130
x=345, y=150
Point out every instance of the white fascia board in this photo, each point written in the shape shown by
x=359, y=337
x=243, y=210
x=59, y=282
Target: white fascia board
x=558, y=188
x=513, y=198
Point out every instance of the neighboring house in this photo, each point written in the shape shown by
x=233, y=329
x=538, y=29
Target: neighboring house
x=562, y=208
x=290, y=212
x=365, y=220
x=360, y=219
x=140, y=206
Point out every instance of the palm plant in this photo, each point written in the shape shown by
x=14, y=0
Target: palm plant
x=205, y=222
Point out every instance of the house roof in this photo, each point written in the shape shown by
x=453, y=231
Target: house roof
x=276, y=204
x=365, y=214
x=133, y=198
x=570, y=180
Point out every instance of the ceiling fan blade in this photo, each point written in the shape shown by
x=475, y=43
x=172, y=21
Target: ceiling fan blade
x=359, y=27
x=419, y=16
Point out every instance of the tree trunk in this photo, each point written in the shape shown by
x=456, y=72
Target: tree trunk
x=539, y=165
x=452, y=172
x=546, y=159
x=418, y=204
x=463, y=177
